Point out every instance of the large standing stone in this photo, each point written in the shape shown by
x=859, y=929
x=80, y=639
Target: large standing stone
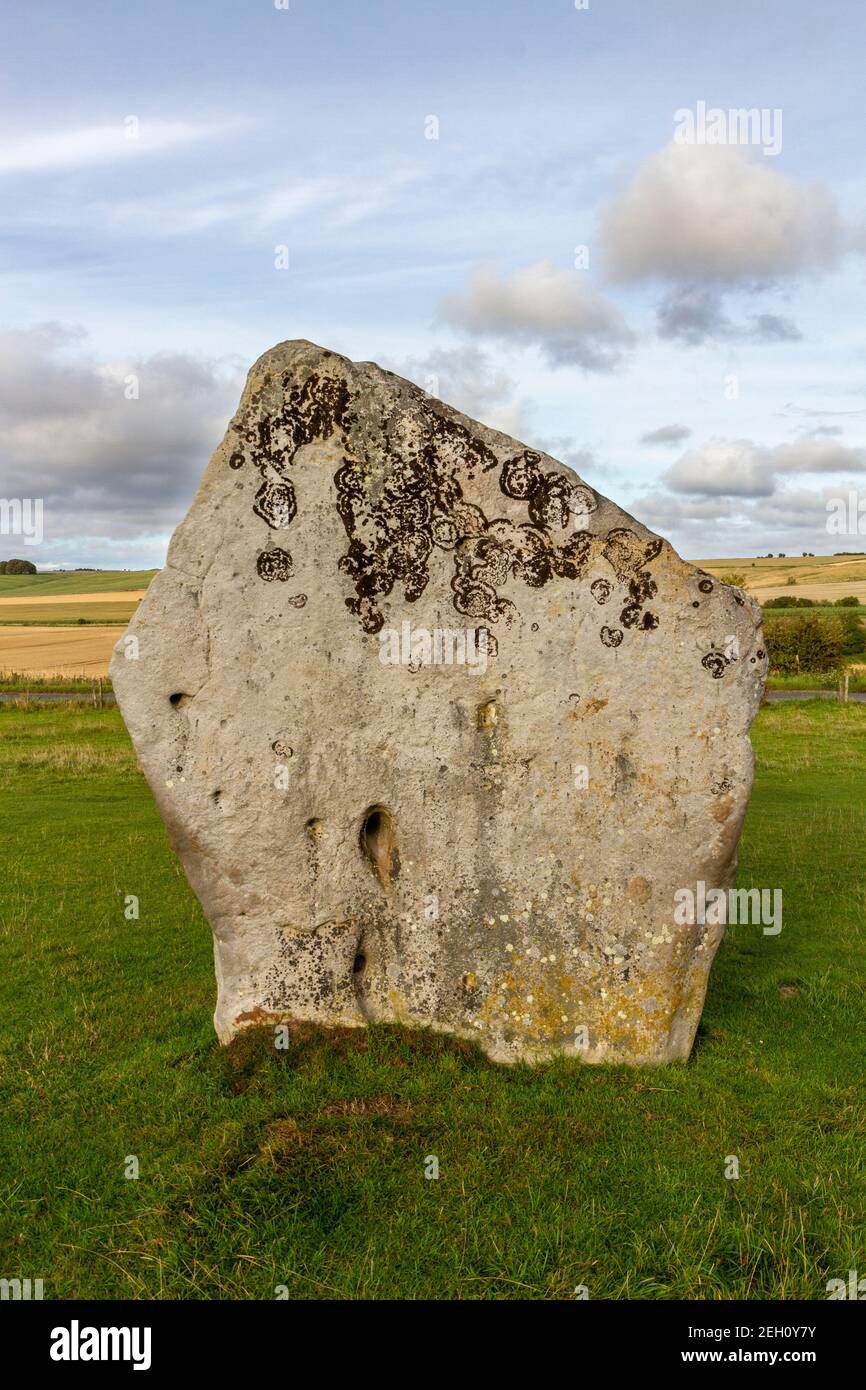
x=488, y=845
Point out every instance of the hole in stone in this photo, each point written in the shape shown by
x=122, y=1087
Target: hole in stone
x=379, y=844
x=177, y=699
x=359, y=962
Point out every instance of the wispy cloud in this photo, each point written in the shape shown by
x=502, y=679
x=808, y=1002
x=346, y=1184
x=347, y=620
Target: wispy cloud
x=254, y=205
x=666, y=435
x=694, y=314
x=102, y=144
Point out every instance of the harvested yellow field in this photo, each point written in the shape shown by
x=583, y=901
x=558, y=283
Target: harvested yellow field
x=57, y=651
x=129, y=596
x=828, y=593
x=96, y=607
x=820, y=577
x=44, y=613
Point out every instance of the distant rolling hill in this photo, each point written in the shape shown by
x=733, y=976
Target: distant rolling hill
x=90, y=582
x=825, y=577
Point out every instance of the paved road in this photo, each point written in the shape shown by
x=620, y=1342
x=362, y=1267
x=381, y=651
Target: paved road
x=859, y=695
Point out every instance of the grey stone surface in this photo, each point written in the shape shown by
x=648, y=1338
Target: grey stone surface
x=488, y=845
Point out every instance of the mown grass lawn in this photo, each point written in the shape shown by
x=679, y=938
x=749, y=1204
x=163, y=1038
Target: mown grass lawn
x=307, y=1168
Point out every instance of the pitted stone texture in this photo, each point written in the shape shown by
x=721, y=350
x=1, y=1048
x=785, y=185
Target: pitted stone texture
x=419, y=842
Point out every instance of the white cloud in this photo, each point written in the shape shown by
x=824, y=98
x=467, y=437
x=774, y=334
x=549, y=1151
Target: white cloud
x=555, y=310
x=740, y=468
x=717, y=212
x=722, y=468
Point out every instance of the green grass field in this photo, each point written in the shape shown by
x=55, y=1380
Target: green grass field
x=88, y=582
x=306, y=1168
x=21, y=682
x=819, y=680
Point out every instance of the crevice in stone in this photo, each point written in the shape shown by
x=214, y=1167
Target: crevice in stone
x=362, y=978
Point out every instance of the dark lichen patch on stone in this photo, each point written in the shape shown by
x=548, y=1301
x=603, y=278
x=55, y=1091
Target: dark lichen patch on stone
x=394, y=525
x=716, y=662
x=397, y=515
x=275, y=564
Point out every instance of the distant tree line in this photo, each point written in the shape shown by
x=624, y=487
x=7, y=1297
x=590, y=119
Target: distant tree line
x=850, y=601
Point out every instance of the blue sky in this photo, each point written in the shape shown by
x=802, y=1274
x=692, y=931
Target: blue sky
x=699, y=361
